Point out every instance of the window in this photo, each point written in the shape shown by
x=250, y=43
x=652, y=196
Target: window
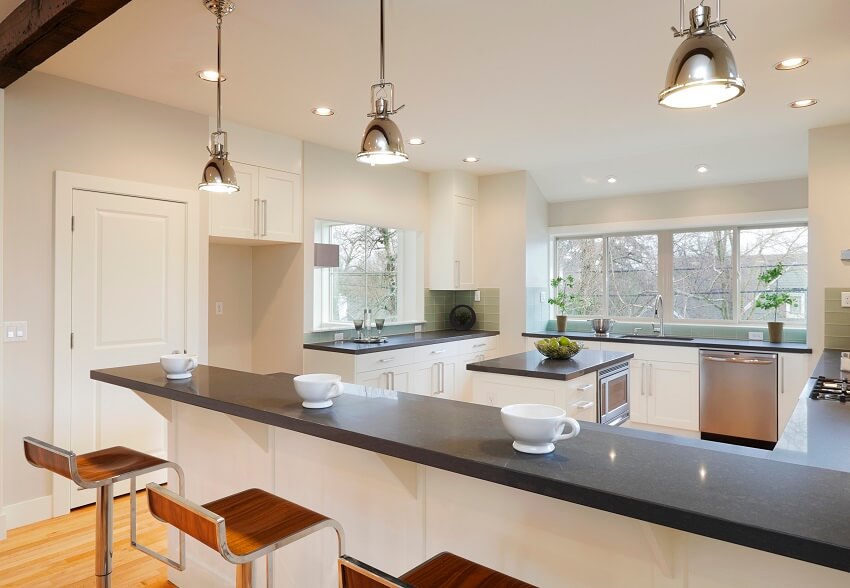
x=632, y=275
x=709, y=274
x=702, y=275
x=765, y=247
x=582, y=259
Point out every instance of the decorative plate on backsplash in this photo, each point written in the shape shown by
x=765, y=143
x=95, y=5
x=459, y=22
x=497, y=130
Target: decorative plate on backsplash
x=462, y=317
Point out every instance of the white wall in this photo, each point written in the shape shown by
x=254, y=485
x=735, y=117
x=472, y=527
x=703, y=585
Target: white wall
x=500, y=251
x=720, y=200
x=336, y=187
x=537, y=266
x=231, y=283
x=829, y=209
x=2, y=281
x=54, y=124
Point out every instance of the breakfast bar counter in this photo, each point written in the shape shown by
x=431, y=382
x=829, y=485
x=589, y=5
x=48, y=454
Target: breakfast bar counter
x=702, y=488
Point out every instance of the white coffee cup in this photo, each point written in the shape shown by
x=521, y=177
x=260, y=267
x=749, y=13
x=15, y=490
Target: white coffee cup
x=536, y=427
x=178, y=366
x=316, y=390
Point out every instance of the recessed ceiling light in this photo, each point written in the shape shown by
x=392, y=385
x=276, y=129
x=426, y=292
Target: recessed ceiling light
x=702, y=169
x=210, y=75
x=791, y=63
x=323, y=111
x=805, y=103
x=416, y=141
x=611, y=180
x=471, y=160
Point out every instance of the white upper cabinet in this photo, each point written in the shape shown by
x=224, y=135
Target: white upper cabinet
x=268, y=206
x=453, y=200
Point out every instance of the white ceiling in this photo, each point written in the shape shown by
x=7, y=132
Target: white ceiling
x=563, y=89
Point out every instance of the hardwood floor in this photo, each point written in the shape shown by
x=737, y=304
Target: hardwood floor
x=60, y=552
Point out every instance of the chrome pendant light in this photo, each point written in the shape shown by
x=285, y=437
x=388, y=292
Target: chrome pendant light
x=382, y=143
x=219, y=175
x=702, y=71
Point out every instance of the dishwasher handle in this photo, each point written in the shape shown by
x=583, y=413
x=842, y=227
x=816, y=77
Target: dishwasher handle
x=739, y=360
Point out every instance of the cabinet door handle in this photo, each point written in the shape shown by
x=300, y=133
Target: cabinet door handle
x=583, y=404
x=781, y=375
x=584, y=387
x=265, y=217
x=441, y=367
x=256, y=217
x=644, y=370
x=391, y=380
x=457, y=273
x=651, y=379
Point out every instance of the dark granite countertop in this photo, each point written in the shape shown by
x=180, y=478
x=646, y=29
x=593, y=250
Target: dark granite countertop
x=399, y=341
x=829, y=365
x=696, y=342
x=723, y=492
x=533, y=365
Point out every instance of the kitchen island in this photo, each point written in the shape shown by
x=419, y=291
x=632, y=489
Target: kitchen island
x=409, y=476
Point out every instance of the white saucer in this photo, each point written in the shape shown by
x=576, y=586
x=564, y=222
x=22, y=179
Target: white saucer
x=320, y=404
x=183, y=376
x=536, y=449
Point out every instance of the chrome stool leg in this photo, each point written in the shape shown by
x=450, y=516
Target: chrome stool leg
x=179, y=565
x=103, y=537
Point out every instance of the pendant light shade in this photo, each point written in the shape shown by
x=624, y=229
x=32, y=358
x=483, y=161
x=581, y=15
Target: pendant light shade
x=382, y=143
x=218, y=175
x=702, y=71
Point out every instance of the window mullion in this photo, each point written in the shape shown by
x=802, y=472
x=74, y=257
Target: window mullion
x=736, y=274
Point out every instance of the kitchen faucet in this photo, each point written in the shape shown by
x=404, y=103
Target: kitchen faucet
x=659, y=312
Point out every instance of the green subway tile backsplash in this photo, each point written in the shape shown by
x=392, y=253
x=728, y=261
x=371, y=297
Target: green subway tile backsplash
x=439, y=303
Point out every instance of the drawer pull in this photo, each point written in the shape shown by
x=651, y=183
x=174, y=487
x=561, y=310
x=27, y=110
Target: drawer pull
x=581, y=405
x=480, y=345
x=386, y=360
x=438, y=352
x=584, y=387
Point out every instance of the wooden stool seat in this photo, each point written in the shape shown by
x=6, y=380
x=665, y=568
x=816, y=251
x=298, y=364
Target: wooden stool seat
x=255, y=519
x=105, y=465
x=445, y=570
x=448, y=570
x=242, y=527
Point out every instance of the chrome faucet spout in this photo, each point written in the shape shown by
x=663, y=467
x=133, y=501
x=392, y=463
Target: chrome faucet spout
x=659, y=312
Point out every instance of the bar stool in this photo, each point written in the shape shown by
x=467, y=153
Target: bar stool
x=445, y=570
x=242, y=527
x=101, y=470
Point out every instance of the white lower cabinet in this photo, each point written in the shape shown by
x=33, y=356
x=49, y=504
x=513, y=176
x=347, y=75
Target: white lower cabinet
x=577, y=396
x=673, y=395
x=435, y=378
x=397, y=378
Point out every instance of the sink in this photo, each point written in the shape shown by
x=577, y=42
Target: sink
x=671, y=337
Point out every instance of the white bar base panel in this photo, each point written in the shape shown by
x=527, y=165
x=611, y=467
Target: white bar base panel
x=28, y=512
x=396, y=514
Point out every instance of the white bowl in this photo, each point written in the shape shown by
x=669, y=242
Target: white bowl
x=317, y=390
x=536, y=427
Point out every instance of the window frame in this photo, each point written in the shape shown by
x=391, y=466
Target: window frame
x=665, y=271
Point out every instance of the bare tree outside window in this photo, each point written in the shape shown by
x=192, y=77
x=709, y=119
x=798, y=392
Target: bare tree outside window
x=582, y=259
x=632, y=275
x=702, y=275
x=367, y=276
x=761, y=248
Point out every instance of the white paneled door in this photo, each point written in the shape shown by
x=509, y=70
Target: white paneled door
x=129, y=300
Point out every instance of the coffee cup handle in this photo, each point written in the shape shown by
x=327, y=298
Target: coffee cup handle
x=338, y=387
x=574, y=426
x=193, y=363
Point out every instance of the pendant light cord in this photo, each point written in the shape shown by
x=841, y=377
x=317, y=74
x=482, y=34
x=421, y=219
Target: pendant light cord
x=382, y=42
x=218, y=77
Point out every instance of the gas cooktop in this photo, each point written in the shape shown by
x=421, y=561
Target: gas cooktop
x=831, y=389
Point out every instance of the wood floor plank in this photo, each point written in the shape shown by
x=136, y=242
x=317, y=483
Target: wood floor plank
x=60, y=552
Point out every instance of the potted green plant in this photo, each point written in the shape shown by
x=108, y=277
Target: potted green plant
x=772, y=299
x=562, y=299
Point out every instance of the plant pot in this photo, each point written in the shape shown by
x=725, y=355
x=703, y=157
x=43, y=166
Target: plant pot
x=774, y=332
x=561, y=322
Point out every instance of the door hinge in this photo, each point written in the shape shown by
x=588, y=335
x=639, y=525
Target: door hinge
x=72, y=340
x=72, y=224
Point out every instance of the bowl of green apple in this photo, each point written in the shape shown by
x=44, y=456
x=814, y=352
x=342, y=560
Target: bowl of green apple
x=558, y=347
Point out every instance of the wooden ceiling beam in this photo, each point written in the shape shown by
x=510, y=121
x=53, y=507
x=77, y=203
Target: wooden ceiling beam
x=38, y=29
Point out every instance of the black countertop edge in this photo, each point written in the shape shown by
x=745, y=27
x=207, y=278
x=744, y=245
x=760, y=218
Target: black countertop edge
x=399, y=341
x=696, y=342
x=532, y=364
x=518, y=471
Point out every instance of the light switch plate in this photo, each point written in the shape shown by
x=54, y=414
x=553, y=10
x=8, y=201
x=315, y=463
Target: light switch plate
x=845, y=300
x=755, y=336
x=339, y=336
x=219, y=308
x=14, y=331
x=478, y=296
x=543, y=297
x=417, y=328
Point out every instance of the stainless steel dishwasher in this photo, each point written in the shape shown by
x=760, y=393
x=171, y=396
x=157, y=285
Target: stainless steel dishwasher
x=737, y=397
